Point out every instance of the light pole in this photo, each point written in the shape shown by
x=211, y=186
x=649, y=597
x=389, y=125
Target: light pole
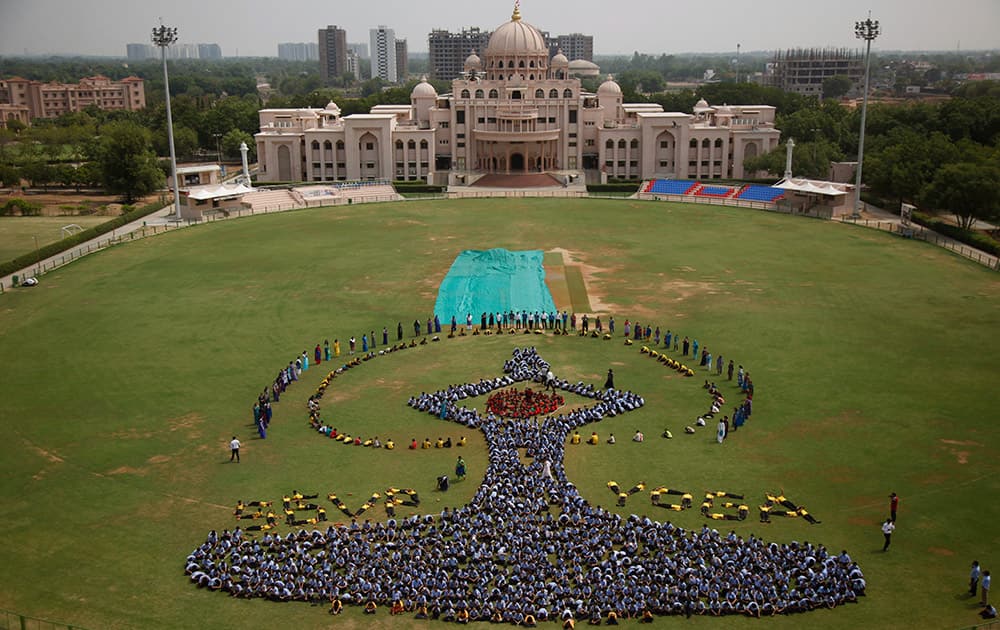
x=164, y=36
x=218, y=146
x=38, y=255
x=868, y=31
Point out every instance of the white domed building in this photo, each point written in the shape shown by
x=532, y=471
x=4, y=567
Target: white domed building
x=514, y=110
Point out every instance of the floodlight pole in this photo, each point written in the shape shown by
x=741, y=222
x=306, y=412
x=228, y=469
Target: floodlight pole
x=737, y=63
x=164, y=36
x=868, y=31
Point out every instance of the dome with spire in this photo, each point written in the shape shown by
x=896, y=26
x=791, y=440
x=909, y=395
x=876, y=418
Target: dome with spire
x=517, y=37
x=424, y=89
x=609, y=88
x=473, y=62
x=702, y=106
x=559, y=60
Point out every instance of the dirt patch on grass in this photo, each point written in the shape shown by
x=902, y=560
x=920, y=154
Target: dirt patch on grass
x=961, y=455
x=126, y=470
x=862, y=521
x=940, y=551
x=595, y=293
x=47, y=455
x=158, y=459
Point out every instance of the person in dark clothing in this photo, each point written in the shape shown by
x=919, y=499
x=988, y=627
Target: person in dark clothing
x=610, y=382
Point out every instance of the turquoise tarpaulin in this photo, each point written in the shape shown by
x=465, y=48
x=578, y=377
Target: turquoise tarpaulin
x=492, y=281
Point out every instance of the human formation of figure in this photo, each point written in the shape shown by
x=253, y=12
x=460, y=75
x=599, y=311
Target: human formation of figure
x=491, y=559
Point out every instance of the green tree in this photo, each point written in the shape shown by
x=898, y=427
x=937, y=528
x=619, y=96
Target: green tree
x=904, y=161
x=10, y=175
x=127, y=162
x=968, y=190
x=836, y=86
x=232, y=140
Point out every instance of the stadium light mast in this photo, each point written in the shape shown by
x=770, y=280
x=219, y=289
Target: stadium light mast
x=867, y=30
x=164, y=36
x=737, y=63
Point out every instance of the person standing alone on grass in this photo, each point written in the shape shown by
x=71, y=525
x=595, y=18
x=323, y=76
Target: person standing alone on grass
x=974, y=578
x=985, y=587
x=887, y=528
x=893, y=506
x=234, y=450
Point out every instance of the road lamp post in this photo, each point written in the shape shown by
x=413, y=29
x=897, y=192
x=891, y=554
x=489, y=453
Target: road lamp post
x=867, y=30
x=218, y=146
x=164, y=36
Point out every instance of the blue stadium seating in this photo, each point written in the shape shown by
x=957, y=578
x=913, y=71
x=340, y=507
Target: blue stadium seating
x=672, y=186
x=756, y=192
x=714, y=191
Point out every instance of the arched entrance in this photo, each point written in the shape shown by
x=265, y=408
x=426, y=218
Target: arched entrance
x=517, y=162
x=284, y=164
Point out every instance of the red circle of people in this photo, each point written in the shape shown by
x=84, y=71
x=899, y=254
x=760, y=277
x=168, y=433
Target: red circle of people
x=513, y=403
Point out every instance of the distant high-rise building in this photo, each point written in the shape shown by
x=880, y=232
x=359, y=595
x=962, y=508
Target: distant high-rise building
x=383, y=52
x=448, y=51
x=574, y=46
x=298, y=51
x=138, y=52
x=209, y=51
x=354, y=64
x=360, y=49
x=402, y=60
x=803, y=70
x=332, y=52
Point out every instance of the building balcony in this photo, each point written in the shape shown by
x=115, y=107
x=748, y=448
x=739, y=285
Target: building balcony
x=516, y=136
x=517, y=113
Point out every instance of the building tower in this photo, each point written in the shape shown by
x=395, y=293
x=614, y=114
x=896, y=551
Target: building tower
x=332, y=53
x=383, y=51
x=402, y=60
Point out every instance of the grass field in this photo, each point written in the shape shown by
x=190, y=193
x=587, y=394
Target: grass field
x=17, y=234
x=874, y=360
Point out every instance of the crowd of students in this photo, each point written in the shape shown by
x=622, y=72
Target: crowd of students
x=491, y=559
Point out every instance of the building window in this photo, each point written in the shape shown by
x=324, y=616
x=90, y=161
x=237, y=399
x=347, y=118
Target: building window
x=572, y=116
x=481, y=120
x=589, y=143
x=694, y=143
x=370, y=146
x=567, y=93
x=663, y=164
x=460, y=145
x=479, y=94
x=465, y=94
x=552, y=119
x=610, y=144
x=370, y=165
x=460, y=117
x=572, y=135
x=494, y=93
x=634, y=144
x=664, y=144
x=491, y=121
x=718, y=143
x=553, y=93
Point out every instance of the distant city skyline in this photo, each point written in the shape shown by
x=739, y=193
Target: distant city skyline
x=104, y=27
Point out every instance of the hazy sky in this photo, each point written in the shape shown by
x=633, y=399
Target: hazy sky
x=255, y=27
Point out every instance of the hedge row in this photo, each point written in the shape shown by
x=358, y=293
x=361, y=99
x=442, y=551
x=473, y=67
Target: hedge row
x=972, y=239
x=26, y=260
